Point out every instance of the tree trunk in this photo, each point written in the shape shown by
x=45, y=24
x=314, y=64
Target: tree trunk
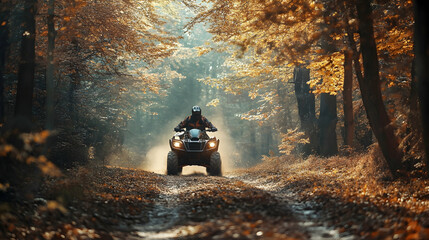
x=73, y=86
x=267, y=140
x=414, y=118
x=4, y=38
x=254, y=152
x=349, y=124
x=365, y=139
x=414, y=129
x=327, y=125
x=24, y=95
x=71, y=97
x=50, y=71
x=371, y=91
x=421, y=38
x=306, y=109
x=286, y=122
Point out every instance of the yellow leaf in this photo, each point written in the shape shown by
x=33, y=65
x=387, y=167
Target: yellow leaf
x=4, y=187
x=54, y=205
x=213, y=102
x=5, y=149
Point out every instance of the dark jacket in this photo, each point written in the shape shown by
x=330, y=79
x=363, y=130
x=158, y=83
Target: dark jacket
x=191, y=122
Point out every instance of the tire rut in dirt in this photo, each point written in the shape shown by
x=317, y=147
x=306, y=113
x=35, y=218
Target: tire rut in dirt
x=306, y=212
x=165, y=213
x=218, y=208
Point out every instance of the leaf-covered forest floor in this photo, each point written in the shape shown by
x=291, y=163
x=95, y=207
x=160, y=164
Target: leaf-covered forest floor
x=282, y=198
x=353, y=194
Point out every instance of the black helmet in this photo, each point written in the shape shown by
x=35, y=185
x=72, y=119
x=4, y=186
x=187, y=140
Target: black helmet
x=196, y=111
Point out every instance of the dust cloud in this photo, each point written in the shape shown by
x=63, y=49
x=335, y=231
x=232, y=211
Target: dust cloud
x=156, y=157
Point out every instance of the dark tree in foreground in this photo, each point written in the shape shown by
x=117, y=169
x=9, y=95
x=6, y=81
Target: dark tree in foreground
x=4, y=32
x=421, y=38
x=50, y=67
x=24, y=96
x=362, y=135
x=371, y=91
x=349, y=125
x=306, y=108
x=328, y=124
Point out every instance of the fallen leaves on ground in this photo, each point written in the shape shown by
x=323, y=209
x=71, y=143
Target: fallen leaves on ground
x=354, y=194
x=230, y=209
x=84, y=204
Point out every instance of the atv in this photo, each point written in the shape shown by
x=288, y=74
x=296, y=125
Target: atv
x=194, y=147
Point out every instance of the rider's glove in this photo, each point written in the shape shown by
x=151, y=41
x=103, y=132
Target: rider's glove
x=177, y=129
x=214, y=129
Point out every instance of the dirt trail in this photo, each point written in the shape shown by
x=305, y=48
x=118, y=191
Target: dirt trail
x=119, y=203
x=230, y=207
x=306, y=212
x=264, y=202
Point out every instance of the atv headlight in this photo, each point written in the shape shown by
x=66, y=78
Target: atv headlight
x=177, y=144
x=212, y=144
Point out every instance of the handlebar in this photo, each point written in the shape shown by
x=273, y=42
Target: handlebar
x=205, y=130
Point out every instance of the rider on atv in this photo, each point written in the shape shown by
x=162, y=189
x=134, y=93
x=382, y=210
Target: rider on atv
x=196, y=120
x=194, y=146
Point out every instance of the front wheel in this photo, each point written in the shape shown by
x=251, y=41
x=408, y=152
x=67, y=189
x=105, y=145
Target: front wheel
x=172, y=164
x=215, y=168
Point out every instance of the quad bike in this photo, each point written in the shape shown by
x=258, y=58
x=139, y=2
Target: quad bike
x=194, y=147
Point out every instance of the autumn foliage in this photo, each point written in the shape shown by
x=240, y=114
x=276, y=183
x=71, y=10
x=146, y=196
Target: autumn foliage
x=330, y=94
x=268, y=39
